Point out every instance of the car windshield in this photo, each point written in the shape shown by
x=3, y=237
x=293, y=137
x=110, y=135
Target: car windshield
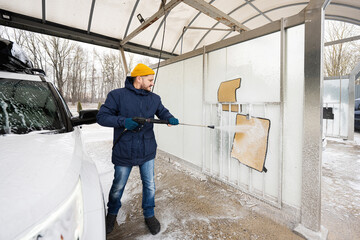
x=27, y=106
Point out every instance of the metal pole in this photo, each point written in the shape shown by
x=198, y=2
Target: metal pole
x=221, y=141
x=312, y=137
x=204, y=110
x=250, y=169
x=263, y=175
x=229, y=144
x=238, y=162
x=282, y=103
x=124, y=60
x=217, y=29
x=211, y=142
x=44, y=11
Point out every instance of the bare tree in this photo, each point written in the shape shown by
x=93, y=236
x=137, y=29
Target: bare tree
x=130, y=61
x=37, y=55
x=58, y=50
x=78, y=74
x=86, y=69
x=93, y=76
x=341, y=58
x=68, y=76
x=16, y=35
x=112, y=72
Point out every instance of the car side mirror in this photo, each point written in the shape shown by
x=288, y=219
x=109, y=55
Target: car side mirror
x=85, y=117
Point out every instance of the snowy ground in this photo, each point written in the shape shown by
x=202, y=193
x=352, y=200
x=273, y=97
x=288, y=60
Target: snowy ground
x=188, y=204
x=191, y=206
x=341, y=188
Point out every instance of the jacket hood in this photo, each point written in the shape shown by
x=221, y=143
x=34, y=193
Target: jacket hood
x=129, y=85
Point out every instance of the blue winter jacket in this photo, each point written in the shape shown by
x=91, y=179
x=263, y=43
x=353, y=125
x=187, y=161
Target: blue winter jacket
x=134, y=147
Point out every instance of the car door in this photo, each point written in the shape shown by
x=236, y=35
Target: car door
x=357, y=114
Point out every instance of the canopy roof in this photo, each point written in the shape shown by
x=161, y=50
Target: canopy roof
x=189, y=25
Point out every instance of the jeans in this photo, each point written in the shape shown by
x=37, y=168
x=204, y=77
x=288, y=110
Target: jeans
x=148, y=194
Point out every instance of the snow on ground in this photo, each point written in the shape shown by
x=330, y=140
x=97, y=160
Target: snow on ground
x=189, y=205
x=341, y=188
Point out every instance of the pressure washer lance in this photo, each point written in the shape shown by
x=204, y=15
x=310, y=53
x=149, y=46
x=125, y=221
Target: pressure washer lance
x=194, y=125
x=141, y=121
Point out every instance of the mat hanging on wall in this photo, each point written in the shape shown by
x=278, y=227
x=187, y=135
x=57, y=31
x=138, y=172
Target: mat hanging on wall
x=250, y=146
x=227, y=94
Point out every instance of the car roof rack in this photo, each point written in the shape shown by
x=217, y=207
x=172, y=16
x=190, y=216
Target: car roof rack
x=13, y=59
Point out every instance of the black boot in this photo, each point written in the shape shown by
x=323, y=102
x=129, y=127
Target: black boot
x=153, y=225
x=110, y=222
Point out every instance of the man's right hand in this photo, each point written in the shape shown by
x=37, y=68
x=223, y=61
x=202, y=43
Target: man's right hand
x=130, y=124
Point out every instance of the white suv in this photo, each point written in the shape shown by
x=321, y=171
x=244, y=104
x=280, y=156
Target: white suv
x=49, y=188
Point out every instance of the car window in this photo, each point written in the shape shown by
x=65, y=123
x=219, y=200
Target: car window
x=357, y=103
x=26, y=106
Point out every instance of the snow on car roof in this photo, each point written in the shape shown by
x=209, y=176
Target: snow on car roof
x=22, y=76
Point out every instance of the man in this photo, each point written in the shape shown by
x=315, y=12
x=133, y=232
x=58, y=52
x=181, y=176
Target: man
x=134, y=145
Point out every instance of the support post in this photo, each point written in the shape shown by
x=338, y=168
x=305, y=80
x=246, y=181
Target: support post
x=124, y=60
x=203, y=109
x=310, y=226
x=352, y=79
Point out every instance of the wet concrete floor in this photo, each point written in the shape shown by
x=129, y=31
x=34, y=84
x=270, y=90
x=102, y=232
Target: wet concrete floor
x=341, y=189
x=190, y=205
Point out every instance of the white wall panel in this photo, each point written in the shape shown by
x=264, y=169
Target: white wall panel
x=336, y=96
x=344, y=121
x=216, y=73
x=272, y=163
x=293, y=116
x=236, y=172
x=257, y=63
x=193, y=112
x=211, y=163
x=170, y=87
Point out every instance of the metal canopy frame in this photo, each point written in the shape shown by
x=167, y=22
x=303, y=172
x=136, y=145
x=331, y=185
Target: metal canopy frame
x=90, y=16
x=216, y=14
x=264, y=30
x=213, y=27
x=350, y=39
x=190, y=23
x=312, y=16
x=43, y=26
x=36, y=25
x=151, y=20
